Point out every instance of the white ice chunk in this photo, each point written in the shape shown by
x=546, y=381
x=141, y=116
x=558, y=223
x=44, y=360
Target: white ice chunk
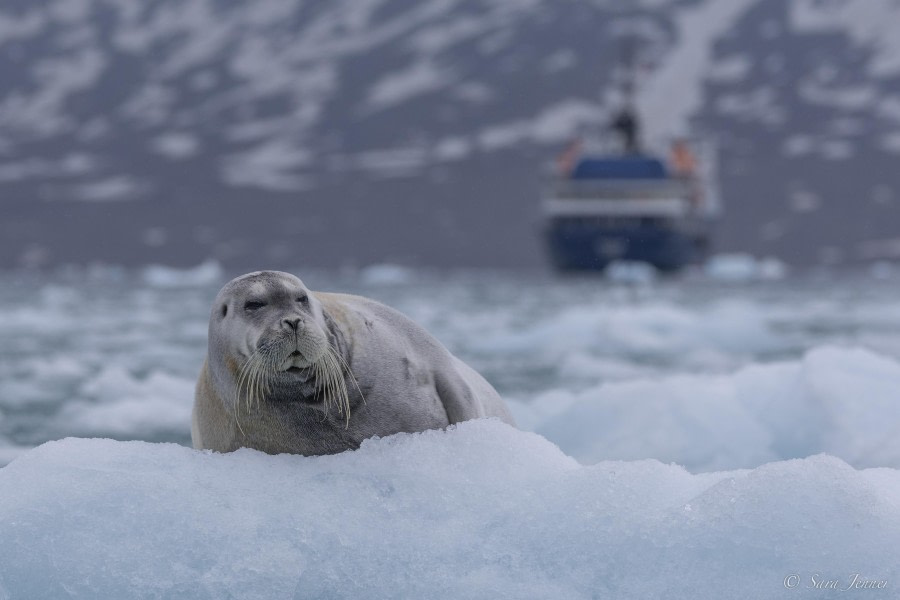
x=480, y=511
x=835, y=400
x=744, y=267
x=386, y=274
x=206, y=273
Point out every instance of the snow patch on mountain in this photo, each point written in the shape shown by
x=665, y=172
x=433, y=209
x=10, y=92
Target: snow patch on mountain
x=418, y=78
x=666, y=114
x=871, y=24
x=556, y=123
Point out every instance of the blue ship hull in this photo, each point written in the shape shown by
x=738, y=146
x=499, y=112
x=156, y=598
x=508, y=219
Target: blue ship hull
x=585, y=244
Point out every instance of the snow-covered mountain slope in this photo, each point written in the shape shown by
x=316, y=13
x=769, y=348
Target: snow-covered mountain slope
x=285, y=131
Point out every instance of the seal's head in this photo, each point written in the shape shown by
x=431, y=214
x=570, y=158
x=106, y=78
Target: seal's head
x=269, y=341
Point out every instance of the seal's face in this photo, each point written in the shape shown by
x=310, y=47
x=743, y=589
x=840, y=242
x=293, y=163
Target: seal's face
x=268, y=340
x=272, y=314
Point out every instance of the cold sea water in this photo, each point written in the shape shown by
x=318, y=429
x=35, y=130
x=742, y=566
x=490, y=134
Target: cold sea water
x=707, y=372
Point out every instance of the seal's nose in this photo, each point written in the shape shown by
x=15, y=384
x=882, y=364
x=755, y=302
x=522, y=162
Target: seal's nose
x=292, y=323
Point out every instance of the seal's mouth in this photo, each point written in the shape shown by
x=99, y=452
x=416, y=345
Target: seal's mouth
x=296, y=363
x=294, y=356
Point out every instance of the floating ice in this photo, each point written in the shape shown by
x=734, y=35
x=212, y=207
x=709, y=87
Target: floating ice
x=205, y=273
x=744, y=267
x=882, y=269
x=731, y=267
x=385, y=274
x=834, y=400
x=115, y=403
x=623, y=271
x=771, y=268
x=647, y=329
x=838, y=401
x=479, y=511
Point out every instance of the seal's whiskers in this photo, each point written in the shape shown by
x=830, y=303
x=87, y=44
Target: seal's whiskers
x=253, y=382
x=340, y=358
x=334, y=386
x=243, y=377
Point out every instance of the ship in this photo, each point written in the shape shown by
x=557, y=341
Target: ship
x=612, y=198
x=634, y=206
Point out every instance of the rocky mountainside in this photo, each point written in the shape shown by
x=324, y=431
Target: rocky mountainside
x=292, y=132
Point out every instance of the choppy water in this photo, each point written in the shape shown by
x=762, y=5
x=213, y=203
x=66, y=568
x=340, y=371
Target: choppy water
x=112, y=353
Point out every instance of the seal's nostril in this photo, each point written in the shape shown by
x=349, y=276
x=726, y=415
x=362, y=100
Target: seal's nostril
x=292, y=323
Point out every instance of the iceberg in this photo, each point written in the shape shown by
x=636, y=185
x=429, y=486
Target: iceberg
x=842, y=401
x=480, y=510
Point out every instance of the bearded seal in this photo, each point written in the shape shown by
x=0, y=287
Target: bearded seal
x=289, y=370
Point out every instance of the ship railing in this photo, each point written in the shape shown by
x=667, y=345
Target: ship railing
x=621, y=189
x=666, y=208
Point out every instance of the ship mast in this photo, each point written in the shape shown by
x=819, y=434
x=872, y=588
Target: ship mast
x=626, y=122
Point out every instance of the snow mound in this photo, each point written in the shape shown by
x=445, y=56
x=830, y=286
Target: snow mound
x=479, y=511
x=206, y=273
x=836, y=400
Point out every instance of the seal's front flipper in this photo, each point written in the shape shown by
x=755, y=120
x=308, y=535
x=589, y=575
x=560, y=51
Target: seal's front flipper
x=457, y=396
x=465, y=394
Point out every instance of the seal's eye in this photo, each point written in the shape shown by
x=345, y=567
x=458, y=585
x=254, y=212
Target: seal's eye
x=253, y=305
x=224, y=309
x=303, y=299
